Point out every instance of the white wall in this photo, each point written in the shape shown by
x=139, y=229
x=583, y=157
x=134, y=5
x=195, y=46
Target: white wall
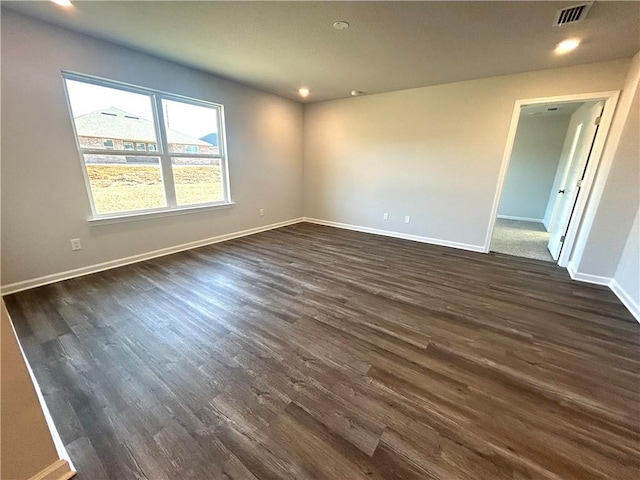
x=44, y=200
x=627, y=276
x=433, y=153
x=533, y=165
x=620, y=197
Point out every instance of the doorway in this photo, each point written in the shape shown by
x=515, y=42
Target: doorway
x=550, y=163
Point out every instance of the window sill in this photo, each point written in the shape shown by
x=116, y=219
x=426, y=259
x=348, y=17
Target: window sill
x=137, y=216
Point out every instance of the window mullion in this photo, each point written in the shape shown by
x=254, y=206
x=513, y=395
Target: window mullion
x=165, y=158
x=222, y=150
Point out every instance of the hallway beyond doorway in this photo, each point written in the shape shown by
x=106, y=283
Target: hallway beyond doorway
x=521, y=239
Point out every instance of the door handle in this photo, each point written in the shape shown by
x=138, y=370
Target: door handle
x=561, y=191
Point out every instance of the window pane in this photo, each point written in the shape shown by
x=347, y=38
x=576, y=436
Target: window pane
x=121, y=183
x=108, y=118
x=197, y=180
x=191, y=128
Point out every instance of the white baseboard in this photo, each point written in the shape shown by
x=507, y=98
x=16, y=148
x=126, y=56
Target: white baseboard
x=626, y=299
x=57, y=277
x=546, y=224
x=59, y=470
x=404, y=236
x=587, y=277
x=615, y=287
x=78, y=272
x=522, y=219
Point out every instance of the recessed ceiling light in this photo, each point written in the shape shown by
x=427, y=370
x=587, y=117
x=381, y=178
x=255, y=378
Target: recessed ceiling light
x=357, y=93
x=63, y=3
x=304, y=92
x=567, y=45
x=340, y=25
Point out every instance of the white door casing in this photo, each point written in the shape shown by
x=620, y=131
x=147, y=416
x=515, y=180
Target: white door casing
x=577, y=229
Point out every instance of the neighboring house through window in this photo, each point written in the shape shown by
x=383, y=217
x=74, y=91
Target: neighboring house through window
x=146, y=150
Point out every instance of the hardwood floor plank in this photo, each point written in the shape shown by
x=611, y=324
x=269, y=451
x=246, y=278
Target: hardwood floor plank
x=309, y=352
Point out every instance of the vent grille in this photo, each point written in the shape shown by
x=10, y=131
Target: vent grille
x=574, y=14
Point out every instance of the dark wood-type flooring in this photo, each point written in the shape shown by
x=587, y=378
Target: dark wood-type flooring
x=311, y=352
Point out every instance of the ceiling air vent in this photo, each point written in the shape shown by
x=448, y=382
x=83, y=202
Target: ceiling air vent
x=574, y=14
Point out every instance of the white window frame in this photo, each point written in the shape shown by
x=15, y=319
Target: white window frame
x=162, y=152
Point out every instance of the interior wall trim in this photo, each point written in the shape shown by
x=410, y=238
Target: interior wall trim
x=587, y=277
x=99, y=267
x=624, y=296
x=626, y=299
x=522, y=219
x=404, y=236
x=586, y=204
x=59, y=470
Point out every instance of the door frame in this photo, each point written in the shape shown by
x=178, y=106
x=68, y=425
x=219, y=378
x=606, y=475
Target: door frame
x=576, y=228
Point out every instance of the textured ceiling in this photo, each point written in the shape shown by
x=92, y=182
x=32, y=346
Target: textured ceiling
x=281, y=46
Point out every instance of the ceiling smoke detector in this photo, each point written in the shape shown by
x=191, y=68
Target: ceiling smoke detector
x=340, y=25
x=574, y=14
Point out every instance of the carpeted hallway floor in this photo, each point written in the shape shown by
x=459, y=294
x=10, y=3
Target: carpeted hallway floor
x=522, y=239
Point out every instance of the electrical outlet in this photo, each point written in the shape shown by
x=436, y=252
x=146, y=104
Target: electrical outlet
x=385, y=216
x=262, y=212
x=75, y=244
x=407, y=219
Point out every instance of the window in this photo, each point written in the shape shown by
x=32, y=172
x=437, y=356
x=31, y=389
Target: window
x=176, y=161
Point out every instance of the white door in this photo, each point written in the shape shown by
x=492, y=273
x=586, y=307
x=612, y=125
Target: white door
x=572, y=177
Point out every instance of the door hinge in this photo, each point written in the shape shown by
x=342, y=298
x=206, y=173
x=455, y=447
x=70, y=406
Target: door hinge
x=597, y=122
x=562, y=238
x=579, y=184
